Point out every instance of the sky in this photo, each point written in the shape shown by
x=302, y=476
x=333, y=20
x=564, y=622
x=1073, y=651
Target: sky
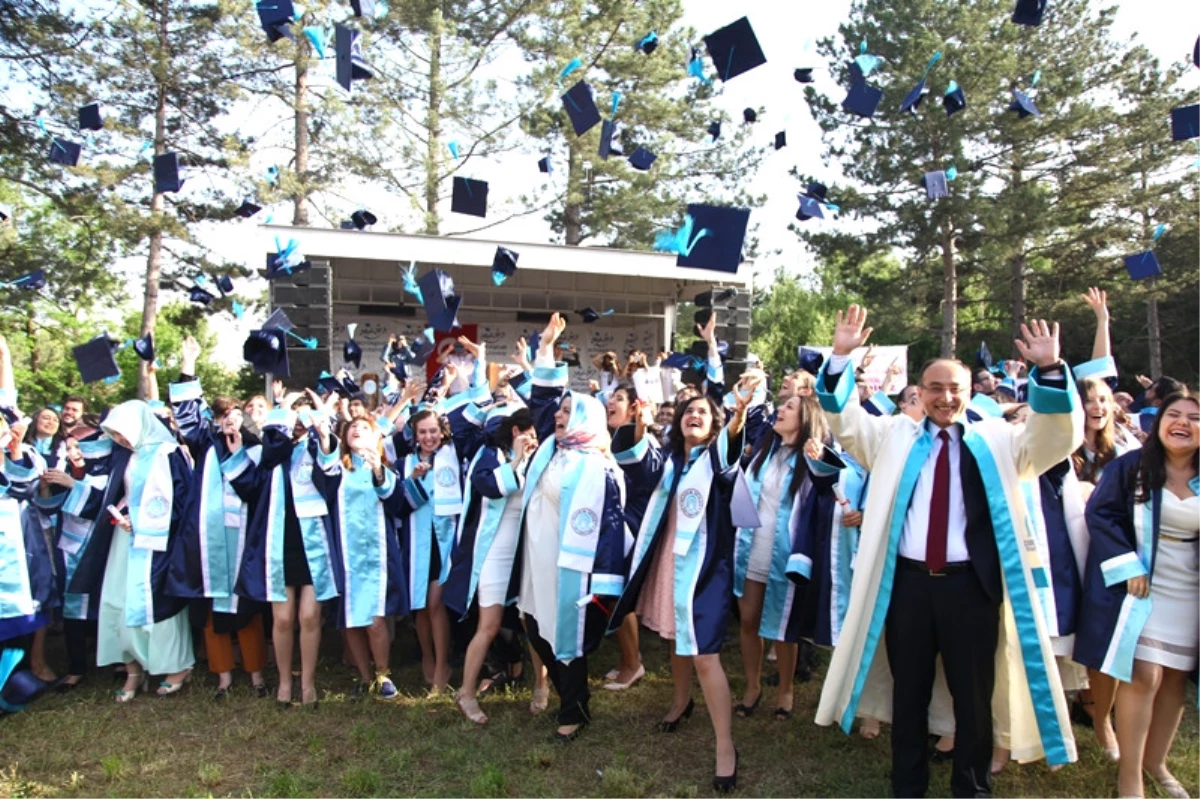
x=787, y=31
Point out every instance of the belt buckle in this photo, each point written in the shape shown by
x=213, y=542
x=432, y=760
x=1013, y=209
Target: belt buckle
x=933, y=573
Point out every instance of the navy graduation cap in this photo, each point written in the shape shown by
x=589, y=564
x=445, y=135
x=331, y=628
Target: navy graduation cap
x=734, y=49
x=781, y=140
x=440, y=301
x=504, y=264
x=247, y=209
x=225, y=284
x=544, y=165
x=89, y=117
x=34, y=280
x=862, y=99
x=351, y=351
x=803, y=75
x=642, y=159
x=95, y=359
x=363, y=8
x=362, y=219
x=1023, y=105
x=1029, y=12
x=811, y=201
x=1143, y=265
x=954, y=100
x=200, y=296
x=351, y=65
x=913, y=99
x=714, y=130
x=276, y=17
x=810, y=360
x=1185, y=122
x=936, y=184
x=280, y=267
x=648, y=43
x=65, y=152
x=581, y=108
x=144, y=347
x=469, y=197
x=608, y=129
x=266, y=351
x=166, y=173
x=749, y=115
x=717, y=241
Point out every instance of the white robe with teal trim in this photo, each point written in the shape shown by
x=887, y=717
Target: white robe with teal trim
x=1028, y=702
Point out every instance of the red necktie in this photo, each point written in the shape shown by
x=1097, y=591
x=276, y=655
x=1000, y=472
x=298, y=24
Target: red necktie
x=939, y=508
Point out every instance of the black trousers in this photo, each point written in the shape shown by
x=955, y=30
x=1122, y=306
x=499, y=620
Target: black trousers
x=953, y=616
x=570, y=680
x=77, y=634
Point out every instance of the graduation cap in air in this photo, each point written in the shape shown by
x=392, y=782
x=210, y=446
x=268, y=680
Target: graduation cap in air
x=680, y=360
x=200, y=296
x=936, y=184
x=716, y=243
x=278, y=320
x=266, y=351
x=328, y=384
x=504, y=265
x=166, y=173
x=34, y=280
x=803, y=75
x=3, y=214
x=362, y=218
x=954, y=100
x=363, y=8
x=714, y=130
x=247, y=209
x=65, y=152
x=1185, y=122
x=351, y=65
x=144, y=347
x=811, y=201
x=913, y=99
x=276, y=17
x=581, y=108
x=1023, y=105
x=608, y=129
x=1143, y=265
x=749, y=115
x=734, y=49
x=781, y=140
x=469, y=197
x=420, y=349
x=1029, y=12
x=441, y=303
x=225, y=285
x=642, y=159
x=983, y=356
x=810, y=360
x=710, y=298
x=89, y=117
x=591, y=315
x=96, y=360
x=699, y=349
x=544, y=165
x=648, y=43
x=351, y=352
x=285, y=266
x=862, y=99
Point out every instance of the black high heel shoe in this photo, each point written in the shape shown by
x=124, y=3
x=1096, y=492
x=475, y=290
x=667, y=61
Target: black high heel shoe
x=673, y=725
x=727, y=784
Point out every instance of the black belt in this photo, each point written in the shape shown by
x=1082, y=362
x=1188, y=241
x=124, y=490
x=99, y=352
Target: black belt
x=921, y=566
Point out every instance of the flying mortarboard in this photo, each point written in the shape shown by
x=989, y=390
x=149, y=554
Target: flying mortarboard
x=714, y=130
x=469, y=197
x=581, y=108
x=144, y=347
x=225, y=284
x=721, y=247
x=648, y=43
x=276, y=17
x=247, y=209
x=811, y=201
x=781, y=140
x=351, y=65
x=278, y=320
x=913, y=99
x=954, y=100
x=608, y=129
x=810, y=360
x=862, y=99
x=983, y=356
x=1023, y=105
x=544, y=165
x=266, y=351
x=166, y=173
x=935, y=184
x=3, y=214
x=1029, y=12
x=34, y=280
x=734, y=49
x=749, y=115
x=285, y=264
x=363, y=8
x=441, y=303
x=65, y=152
x=200, y=295
x=351, y=352
x=803, y=75
x=89, y=117
x=1185, y=122
x=95, y=359
x=1143, y=265
x=504, y=265
x=362, y=218
x=680, y=360
x=642, y=159
x=591, y=315
x=420, y=349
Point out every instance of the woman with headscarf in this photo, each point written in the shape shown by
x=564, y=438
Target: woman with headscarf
x=45, y=435
x=137, y=522
x=681, y=577
x=569, y=565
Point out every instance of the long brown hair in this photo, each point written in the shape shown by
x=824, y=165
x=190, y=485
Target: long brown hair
x=812, y=425
x=1088, y=469
x=675, y=438
x=1151, y=473
x=347, y=460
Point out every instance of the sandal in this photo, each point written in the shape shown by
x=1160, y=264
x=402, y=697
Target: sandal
x=745, y=711
x=541, y=700
x=122, y=696
x=168, y=688
x=782, y=714
x=1170, y=786
x=471, y=710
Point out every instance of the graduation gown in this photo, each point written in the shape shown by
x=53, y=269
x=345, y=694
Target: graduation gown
x=1029, y=701
x=28, y=589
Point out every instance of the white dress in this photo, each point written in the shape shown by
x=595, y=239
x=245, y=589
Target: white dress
x=763, y=544
x=539, y=558
x=1171, y=637
x=497, y=566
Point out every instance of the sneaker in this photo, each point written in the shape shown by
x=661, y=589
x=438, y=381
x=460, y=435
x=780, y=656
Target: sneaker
x=387, y=690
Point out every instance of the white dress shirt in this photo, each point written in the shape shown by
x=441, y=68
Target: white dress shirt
x=916, y=521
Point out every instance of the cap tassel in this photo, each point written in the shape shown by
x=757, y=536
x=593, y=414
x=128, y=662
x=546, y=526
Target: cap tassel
x=696, y=67
x=681, y=241
x=616, y=103
x=309, y=343
x=316, y=37
x=453, y=148
x=238, y=309
x=1158, y=231
x=350, y=328
x=568, y=69
x=410, y=282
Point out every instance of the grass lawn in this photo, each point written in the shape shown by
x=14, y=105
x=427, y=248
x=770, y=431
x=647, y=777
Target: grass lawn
x=82, y=744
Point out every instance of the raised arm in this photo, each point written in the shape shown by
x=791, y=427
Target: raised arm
x=1055, y=427
x=859, y=433
x=1097, y=300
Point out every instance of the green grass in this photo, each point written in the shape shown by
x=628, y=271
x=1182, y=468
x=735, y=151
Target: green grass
x=83, y=744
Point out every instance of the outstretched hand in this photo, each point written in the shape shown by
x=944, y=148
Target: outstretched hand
x=850, y=331
x=1097, y=300
x=554, y=329
x=1040, y=344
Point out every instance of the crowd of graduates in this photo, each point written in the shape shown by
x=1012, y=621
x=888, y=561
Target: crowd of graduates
x=512, y=511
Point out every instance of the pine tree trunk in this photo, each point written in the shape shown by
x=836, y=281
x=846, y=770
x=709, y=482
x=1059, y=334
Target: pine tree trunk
x=950, y=297
x=573, y=211
x=155, y=252
x=300, y=100
x=1154, y=333
x=35, y=363
x=433, y=123
x=1018, y=266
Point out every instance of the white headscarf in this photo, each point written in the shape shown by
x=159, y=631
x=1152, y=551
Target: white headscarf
x=149, y=487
